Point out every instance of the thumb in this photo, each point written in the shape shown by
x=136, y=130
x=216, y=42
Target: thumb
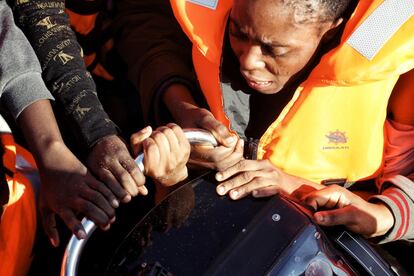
x=342, y=216
x=138, y=137
x=49, y=225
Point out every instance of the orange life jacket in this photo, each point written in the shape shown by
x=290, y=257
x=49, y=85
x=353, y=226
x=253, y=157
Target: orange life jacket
x=333, y=126
x=18, y=221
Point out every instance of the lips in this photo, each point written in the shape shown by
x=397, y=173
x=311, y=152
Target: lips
x=255, y=84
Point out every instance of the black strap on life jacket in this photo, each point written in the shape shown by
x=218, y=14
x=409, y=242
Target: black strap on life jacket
x=250, y=148
x=86, y=7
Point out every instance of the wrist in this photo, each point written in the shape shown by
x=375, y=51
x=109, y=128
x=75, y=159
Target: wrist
x=55, y=155
x=384, y=218
x=179, y=101
x=178, y=175
x=44, y=146
x=299, y=187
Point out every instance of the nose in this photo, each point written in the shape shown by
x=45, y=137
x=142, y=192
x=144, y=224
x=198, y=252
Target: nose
x=251, y=58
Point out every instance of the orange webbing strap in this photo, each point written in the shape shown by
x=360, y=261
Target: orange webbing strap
x=84, y=25
x=18, y=221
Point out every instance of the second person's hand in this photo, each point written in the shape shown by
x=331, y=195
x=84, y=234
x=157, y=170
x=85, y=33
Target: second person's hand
x=178, y=98
x=113, y=164
x=166, y=153
x=226, y=154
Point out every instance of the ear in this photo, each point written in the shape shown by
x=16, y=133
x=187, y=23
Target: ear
x=336, y=23
x=330, y=29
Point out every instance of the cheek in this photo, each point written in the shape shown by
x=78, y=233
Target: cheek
x=295, y=62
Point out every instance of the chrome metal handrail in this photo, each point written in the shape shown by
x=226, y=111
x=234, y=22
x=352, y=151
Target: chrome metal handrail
x=74, y=248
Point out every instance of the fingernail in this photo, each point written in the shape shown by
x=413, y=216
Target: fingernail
x=112, y=220
x=234, y=194
x=53, y=242
x=106, y=227
x=127, y=198
x=146, y=129
x=219, y=176
x=220, y=190
x=81, y=234
x=115, y=203
x=144, y=190
x=255, y=193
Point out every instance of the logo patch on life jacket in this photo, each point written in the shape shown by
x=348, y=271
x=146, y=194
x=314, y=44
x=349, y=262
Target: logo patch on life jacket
x=336, y=137
x=211, y=4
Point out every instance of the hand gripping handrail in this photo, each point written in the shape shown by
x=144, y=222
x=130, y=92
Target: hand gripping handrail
x=74, y=248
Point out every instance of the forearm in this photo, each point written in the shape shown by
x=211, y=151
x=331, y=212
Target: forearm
x=179, y=102
x=401, y=206
x=298, y=187
x=64, y=71
x=395, y=184
x=41, y=137
x=162, y=52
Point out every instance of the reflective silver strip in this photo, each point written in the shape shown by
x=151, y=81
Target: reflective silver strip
x=211, y=4
x=380, y=26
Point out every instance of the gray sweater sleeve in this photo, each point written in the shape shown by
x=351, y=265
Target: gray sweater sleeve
x=20, y=75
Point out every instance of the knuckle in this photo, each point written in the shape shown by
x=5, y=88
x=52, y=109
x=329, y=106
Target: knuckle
x=128, y=165
x=240, y=165
x=124, y=177
x=88, y=207
x=151, y=146
x=231, y=184
x=118, y=190
x=96, y=198
x=174, y=127
x=157, y=134
x=110, y=212
x=171, y=166
x=103, y=174
x=246, y=176
x=205, y=115
x=162, y=131
x=221, y=129
x=106, y=160
x=168, y=131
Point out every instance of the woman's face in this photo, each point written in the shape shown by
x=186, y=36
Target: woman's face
x=270, y=46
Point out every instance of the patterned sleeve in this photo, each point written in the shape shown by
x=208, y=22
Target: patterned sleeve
x=396, y=184
x=47, y=27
